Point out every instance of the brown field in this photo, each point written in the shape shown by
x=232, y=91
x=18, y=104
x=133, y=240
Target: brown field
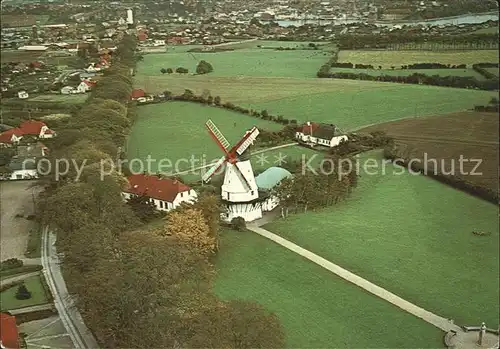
x=386, y=59
x=469, y=134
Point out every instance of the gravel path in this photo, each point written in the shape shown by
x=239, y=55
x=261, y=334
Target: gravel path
x=16, y=198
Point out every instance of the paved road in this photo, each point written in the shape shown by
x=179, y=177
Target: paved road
x=235, y=42
x=252, y=154
x=69, y=314
x=438, y=321
x=11, y=279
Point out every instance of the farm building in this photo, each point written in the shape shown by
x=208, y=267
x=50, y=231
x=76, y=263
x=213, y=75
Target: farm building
x=85, y=86
x=9, y=335
x=23, y=94
x=137, y=93
x=22, y=168
x=10, y=137
x=66, y=90
x=165, y=193
x=36, y=128
x=33, y=48
x=268, y=180
x=320, y=134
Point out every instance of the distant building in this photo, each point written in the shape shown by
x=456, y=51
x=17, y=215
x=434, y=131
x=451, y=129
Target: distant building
x=22, y=94
x=320, y=134
x=165, y=193
x=130, y=16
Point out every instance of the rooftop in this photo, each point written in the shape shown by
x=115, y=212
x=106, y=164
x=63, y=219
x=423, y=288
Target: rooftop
x=271, y=177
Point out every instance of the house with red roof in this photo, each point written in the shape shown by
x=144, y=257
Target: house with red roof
x=166, y=193
x=137, y=93
x=85, y=86
x=327, y=135
x=9, y=335
x=10, y=137
x=36, y=128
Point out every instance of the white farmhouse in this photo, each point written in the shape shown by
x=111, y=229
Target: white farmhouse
x=22, y=94
x=320, y=134
x=165, y=193
x=85, y=86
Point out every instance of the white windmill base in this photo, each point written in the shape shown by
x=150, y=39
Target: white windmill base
x=248, y=211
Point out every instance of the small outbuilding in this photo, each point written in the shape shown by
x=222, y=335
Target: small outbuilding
x=267, y=181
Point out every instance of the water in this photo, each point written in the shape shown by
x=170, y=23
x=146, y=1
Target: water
x=457, y=20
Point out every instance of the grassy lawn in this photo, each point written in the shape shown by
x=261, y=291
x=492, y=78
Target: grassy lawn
x=316, y=308
x=176, y=131
x=492, y=70
x=386, y=59
x=374, y=103
x=407, y=72
x=413, y=236
x=34, y=243
x=38, y=295
x=63, y=99
x=247, y=62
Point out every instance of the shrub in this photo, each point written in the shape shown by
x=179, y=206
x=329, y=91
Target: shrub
x=11, y=263
x=23, y=293
x=238, y=223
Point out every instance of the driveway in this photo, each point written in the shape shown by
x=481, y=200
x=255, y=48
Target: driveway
x=16, y=197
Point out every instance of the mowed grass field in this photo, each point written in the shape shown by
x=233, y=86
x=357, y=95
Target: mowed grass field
x=407, y=72
x=412, y=236
x=176, y=132
x=63, y=99
x=386, y=59
x=244, y=62
x=471, y=135
x=316, y=308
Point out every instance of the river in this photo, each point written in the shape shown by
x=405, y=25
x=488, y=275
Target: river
x=456, y=20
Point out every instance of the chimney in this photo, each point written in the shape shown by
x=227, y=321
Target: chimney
x=308, y=123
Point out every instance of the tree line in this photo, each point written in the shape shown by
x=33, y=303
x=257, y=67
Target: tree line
x=392, y=40
x=421, y=79
x=137, y=287
x=480, y=69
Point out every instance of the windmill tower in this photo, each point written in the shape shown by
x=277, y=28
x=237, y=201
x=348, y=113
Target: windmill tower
x=239, y=191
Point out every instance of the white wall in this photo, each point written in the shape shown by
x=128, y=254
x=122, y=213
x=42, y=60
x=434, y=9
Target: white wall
x=187, y=196
x=24, y=174
x=270, y=204
x=246, y=211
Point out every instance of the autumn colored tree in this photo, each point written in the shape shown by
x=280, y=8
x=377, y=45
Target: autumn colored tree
x=234, y=324
x=189, y=226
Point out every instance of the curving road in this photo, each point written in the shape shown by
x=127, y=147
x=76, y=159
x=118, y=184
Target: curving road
x=69, y=314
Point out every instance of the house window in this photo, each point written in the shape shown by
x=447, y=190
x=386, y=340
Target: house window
x=162, y=204
x=251, y=193
x=182, y=195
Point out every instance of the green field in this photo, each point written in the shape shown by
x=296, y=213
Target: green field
x=177, y=130
x=316, y=308
x=383, y=102
x=161, y=126
x=492, y=70
x=412, y=236
x=247, y=62
x=8, y=299
x=407, y=72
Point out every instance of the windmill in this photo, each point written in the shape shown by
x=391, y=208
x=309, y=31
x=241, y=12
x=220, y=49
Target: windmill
x=239, y=191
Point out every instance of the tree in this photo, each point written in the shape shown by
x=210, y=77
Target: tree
x=22, y=292
x=234, y=324
x=238, y=223
x=265, y=114
x=169, y=71
x=204, y=67
x=163, y=70
x=144, y=208
x=217, y=100
x=189, y=226
x=181, y=70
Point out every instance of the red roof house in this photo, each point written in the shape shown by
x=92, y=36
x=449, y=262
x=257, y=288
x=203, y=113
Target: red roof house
x=137, y=93
x=36, y=128
x=166, y=193
x=142, y=36
x=9, y=336
x=11, y=136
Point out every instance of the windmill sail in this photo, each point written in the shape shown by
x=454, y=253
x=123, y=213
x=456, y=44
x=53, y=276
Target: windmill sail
x=208, y=175
x=218, y=136
x=248, y=140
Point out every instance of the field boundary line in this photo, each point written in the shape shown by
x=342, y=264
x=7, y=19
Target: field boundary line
x=436, y=320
